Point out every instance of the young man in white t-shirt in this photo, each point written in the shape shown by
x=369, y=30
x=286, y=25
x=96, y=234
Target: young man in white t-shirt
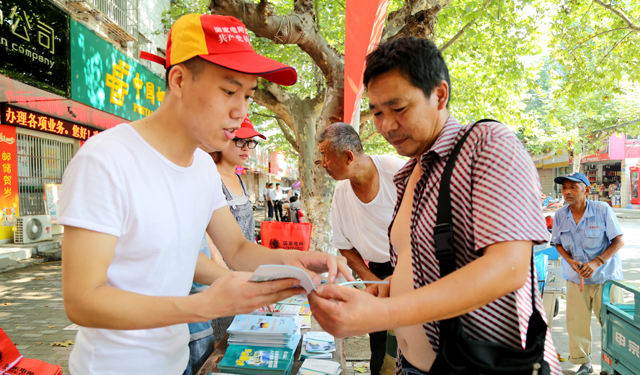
x=361, y=211
x=138, y=198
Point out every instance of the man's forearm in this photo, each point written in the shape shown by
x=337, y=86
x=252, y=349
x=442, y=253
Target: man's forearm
x=207, y=270
x=250, y=256
x=503, y=269
x=613, y=248
x=356, y=263
x=563, y=253
x=111, y=308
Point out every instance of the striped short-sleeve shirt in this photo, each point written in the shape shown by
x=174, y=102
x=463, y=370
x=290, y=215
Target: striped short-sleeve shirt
x=495, y=198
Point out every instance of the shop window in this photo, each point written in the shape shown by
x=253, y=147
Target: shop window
x=40, y=161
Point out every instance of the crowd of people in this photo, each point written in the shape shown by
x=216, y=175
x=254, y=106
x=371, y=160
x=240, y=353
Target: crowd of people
x=153, y=270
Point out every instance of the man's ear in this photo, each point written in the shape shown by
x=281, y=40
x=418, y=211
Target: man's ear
x=442, y=92
x=349, y=157
x=176, y=79
x=587, y=189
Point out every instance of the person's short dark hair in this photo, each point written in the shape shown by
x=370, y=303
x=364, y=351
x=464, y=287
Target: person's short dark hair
x=266, y=184
x=418, y=60
x=194, y=64
x=293, y=198
x=342, y=137
x=277, y=185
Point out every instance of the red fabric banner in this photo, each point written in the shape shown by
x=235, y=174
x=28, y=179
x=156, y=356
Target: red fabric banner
x=363, y=29
x=9, y=198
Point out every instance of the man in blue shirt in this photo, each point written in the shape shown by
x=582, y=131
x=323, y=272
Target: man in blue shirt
x=588, y=236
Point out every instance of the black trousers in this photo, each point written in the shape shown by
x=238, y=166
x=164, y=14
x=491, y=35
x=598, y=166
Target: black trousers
x=270, y=209
x=378, y=340
x=278, y=210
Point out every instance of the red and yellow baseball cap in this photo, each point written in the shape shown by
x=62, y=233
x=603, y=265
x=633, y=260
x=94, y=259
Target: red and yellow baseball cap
x=247, y=130
x=222, y=40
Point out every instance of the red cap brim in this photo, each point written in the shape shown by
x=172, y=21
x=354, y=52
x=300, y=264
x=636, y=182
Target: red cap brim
x=250, y=62
x=244, y=133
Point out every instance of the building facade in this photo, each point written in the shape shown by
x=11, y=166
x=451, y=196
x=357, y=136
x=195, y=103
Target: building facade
x=612, y=172
x=69, y=71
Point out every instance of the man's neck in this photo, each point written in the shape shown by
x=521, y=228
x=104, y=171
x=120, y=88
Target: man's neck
x=365, y=181
x=579, y=208
x=164, y=131
x=443, y=117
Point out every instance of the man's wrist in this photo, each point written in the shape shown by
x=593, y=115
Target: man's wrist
x=599, y=257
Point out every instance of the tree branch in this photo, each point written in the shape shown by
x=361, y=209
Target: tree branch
x=266, y=99
x=415, y=18
x=465, y=27
x=295, y=28
x=620, y=14
x=614, y=47
x=597, y=35
x=287, y=135
x=277, y=91
x=616, y=126
x=365, y=116
x=368, y=137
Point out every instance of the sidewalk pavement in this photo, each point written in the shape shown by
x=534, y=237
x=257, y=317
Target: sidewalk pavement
x=32, y=311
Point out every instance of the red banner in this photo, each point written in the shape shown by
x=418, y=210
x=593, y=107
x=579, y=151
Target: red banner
x=363, y=29
x=36, y=121
x=9, y=201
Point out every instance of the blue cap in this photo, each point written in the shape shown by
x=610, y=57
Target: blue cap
x=575, y=176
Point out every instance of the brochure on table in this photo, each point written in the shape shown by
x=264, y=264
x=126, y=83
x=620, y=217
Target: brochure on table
x=269, y=272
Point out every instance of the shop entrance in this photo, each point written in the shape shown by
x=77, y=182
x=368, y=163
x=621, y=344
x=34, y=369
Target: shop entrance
x=40, y=160
x=605, y=179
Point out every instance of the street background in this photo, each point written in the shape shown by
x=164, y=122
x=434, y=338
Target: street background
x=32, y=311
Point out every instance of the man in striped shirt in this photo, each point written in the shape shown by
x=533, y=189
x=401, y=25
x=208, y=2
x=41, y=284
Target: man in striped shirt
x=496, y=219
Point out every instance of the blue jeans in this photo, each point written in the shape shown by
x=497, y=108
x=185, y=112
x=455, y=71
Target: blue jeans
x=199, y=352
x=408, y=369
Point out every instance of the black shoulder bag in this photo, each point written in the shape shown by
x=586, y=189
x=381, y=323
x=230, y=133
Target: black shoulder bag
x=460, y=355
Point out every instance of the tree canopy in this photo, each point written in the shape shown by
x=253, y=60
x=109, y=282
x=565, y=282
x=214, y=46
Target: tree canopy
x=544, y=68
x=560, y=74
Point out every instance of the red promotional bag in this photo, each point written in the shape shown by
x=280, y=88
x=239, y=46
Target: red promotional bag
x=284, y=235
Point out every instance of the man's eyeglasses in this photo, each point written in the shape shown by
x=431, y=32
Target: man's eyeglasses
x=240, y=143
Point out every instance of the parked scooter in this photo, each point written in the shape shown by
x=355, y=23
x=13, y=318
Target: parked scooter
x=549, y=204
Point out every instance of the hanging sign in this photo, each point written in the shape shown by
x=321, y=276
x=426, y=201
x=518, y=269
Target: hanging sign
x=34, y=38
x=31, y=120
x=9, y=201
x=107, y=79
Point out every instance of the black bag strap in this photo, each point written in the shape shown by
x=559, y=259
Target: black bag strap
x=443, y=231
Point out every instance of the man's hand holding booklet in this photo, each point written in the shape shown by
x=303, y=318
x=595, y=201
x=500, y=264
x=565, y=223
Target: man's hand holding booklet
x=269, y=272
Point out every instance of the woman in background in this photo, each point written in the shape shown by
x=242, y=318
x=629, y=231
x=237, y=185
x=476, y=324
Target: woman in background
x=204, y=336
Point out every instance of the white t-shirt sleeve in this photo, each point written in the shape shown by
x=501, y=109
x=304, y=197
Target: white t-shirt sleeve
x=340, y=241
x=93, y=196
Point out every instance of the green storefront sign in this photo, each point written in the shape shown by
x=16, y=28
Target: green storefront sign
x=34, y=44
x=107, y=79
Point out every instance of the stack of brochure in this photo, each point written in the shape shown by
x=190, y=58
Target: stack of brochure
x=261, y=330
x=319, y=367
x=249, y=360
x=318, y=345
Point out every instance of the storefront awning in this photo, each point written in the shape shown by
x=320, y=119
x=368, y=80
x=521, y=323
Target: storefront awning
x=35, y=99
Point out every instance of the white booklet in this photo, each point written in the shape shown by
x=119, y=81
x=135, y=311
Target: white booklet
x=312, y=366
x=268, y=272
